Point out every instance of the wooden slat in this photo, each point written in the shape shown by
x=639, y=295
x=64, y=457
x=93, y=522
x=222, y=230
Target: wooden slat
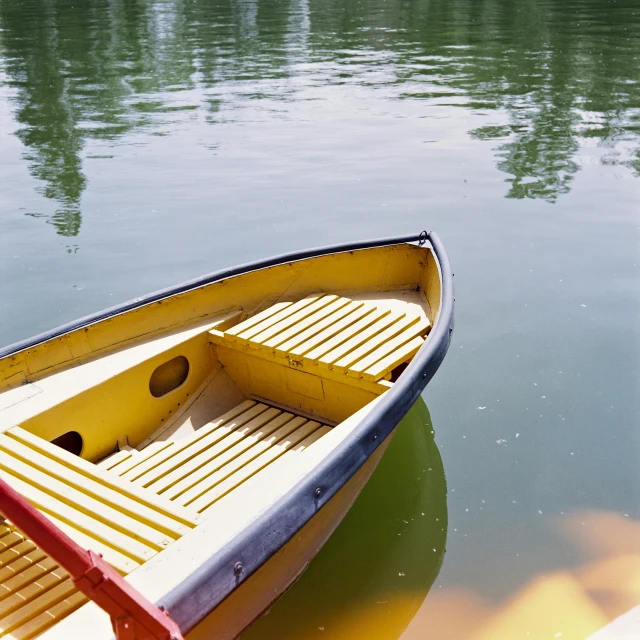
x=306, y=323
x=386, y=365
x=26, y=574
x=31, y=591
x=8, y=547
x=201, y=433
x=19, y=564
x=285, y=422
x=214, y=458
x=358, y=339
x=255, y=416
x=292, y=320
x=202, y=457
x=38, y=605
x=84, y=503
x=38, y=624
x=344, y=335
x=167, y=516
x=282, y=434
x=259, y=317
x=89, y=525
x=205, y=500
x=265, y=324
x=115, y=459
x=376, y=341
x=308, y=441
x=388, y=347
x=317, y=326
x=151, y=450
x=119, y=561
x=118, y=496
x=332, y=330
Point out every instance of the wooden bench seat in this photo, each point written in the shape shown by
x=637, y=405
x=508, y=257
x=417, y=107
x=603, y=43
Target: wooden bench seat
x=361, y=341
x=98, y=510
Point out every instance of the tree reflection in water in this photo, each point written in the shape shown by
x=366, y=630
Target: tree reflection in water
x=552, y=76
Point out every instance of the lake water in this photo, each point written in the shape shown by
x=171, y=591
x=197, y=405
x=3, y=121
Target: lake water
x=146, y=142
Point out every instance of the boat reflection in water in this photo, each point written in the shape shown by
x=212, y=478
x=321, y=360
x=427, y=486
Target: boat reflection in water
x=373, y=574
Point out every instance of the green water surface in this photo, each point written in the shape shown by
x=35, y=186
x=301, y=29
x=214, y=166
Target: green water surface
x=146, y=142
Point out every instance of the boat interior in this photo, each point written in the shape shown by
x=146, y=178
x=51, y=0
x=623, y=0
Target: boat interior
x=130, y=433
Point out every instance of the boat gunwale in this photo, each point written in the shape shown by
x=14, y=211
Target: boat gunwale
x=196, y=596
x=198, y=283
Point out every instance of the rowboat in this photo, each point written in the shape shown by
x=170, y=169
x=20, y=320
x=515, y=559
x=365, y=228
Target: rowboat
x=205, y=440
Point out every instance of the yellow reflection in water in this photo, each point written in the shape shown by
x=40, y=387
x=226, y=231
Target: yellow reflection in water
x=372, y=577
x=568, y=604
x=373, y=574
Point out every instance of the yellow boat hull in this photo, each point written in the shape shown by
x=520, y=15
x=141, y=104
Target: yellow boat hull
x=207, y=440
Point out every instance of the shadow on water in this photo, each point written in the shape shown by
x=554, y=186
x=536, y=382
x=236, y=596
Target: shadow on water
x=371, y=577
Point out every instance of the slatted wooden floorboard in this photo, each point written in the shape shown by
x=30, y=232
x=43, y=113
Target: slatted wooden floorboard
x=197, y=471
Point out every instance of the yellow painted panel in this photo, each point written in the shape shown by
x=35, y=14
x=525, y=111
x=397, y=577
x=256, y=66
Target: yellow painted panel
x=194, y=448
x=201, y=433
x=378, y=341
x=292, y=320
x=83, y=503
x=284, y=434
x=319, y=325
x=57, y=352
x=388, y=347
x=210, y=467
x=285, y=313
x=263, y=373
x=82, y=399
x=332, y=330
x=161, y=513
x=344, y=335
x=78, y=343
x=386, y=365
x=359, y=338
x=200, y=457
x=256, y=319
x=250, y=469
x=307, y=323
x=304, y=384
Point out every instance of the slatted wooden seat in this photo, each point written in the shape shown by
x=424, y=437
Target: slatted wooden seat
x=362, y=339
x=34, y=591
x=126, y=525
x=195, y=472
